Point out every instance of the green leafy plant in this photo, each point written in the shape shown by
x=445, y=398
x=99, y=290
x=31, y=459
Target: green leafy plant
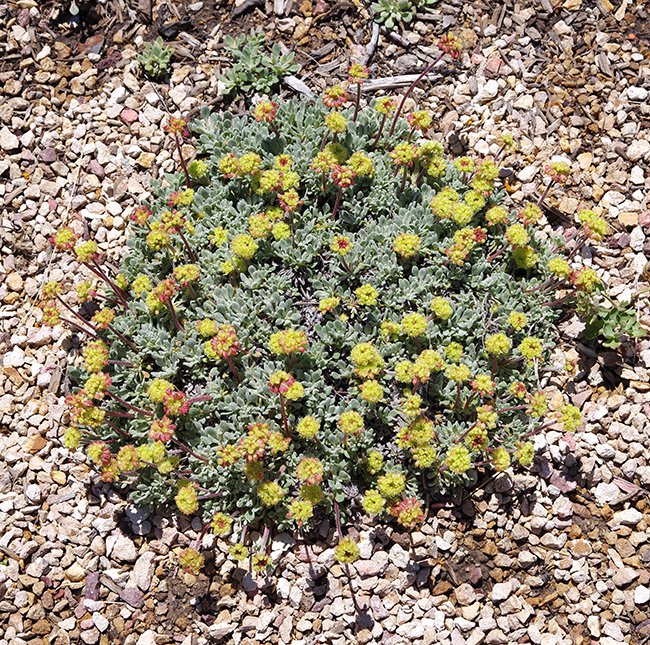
x=613, y=323
x=155, y=58
x=254, y=70
x=392, y=13
x=332, y=317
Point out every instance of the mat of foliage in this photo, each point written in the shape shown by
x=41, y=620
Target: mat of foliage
x=334, y=315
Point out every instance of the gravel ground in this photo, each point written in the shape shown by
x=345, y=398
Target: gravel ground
x=557, y=555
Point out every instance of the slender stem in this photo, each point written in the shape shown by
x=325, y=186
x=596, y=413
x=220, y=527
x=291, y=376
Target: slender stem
x=357, y=103
x=540, y=201
x=122, y=363
x=337, y=519
x=102, y=274
x=179, y=147
x=283, y=410
x=404, y=173
x=72, y=323
x=201, y=535
x=172, y=313
x=76, y=314
x=188, y=248
x=409, y=90
x=233, y=369
x=457, y=404
x=187, y=449
x=200, y=399
x=558, y=301
x=123, y=338
x=496, y=254
x=511, y=408
x=337, y=202
x=120, y=415
x=118, y=429
x=381, y=129
x=128, y=405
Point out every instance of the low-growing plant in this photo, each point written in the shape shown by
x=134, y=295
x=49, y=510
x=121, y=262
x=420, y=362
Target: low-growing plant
x=253, y=70
x=334, y=317
x=610, y=321
x=392, y=13
x=155, y=58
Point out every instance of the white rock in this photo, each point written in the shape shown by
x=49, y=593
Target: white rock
x=8, y=140
x=122, y=549
x=638, y=149
x=637, y=238
x=624, y=576
x=501, y=591
x=527, y=173
x=489, y=90
x=605, y=451
x=606, y=493
x=147, y=638
x=636, y=175
x=628, y=517
x=641, y=595
x=101, y=622
x=635, y=93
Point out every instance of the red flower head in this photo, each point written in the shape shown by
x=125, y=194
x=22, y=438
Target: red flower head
x=177, y=126
x=451, y=44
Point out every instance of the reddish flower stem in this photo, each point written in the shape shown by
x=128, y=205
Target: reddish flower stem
x=188, y=248
x=540, y=201
x=189, y=451
x=283, y=411
x=357, y=103
x=122, y=363
x=128, y=405
x=337, y=519
x=411, y=87
x=72, y=323
x=179, y=147
x=118, y=429
x=172, y=313
x=337, y=202
x=98, y=271
x=380, y=130
x=233, y=369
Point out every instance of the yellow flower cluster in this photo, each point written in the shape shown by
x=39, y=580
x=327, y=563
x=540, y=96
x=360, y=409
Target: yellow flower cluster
x=366, y=295
x=407, y=245
x=351, y=423
x=498, y=344
x=441, y=308
x=414, y=324
x=270, y=493
x=367, y=360
x=288, y=341
x=371, y=391
x=308, y=427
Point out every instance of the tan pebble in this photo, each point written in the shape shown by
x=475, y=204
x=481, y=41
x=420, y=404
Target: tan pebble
x=58, y=476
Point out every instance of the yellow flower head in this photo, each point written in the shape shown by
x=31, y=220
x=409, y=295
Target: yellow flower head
x=244, y=246
x=347, y=551
x=407, y=245
x=441, y=308
x=366, y=295
x=373, y=503
x=498, y=344
x=351, y=423
x=458, y=459
x=371, y=391
x=414, y=324
x=270, y=493
x=391, y=485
